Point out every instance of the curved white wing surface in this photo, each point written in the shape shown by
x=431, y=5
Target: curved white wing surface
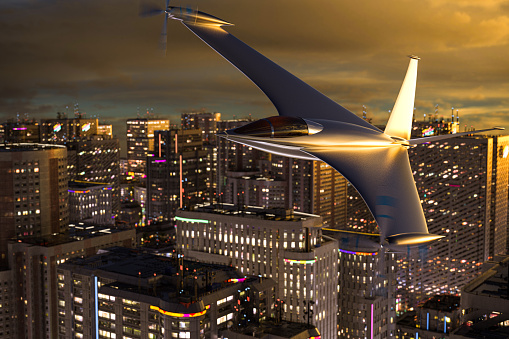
x=383, y=177
x=290, y=95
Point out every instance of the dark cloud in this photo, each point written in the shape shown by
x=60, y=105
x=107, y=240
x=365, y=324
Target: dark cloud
x=101, y=54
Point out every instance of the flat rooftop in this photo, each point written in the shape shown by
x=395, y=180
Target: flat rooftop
x=254, y=212
x=28, y=147
x=143, y=273
x=444, y=303
x=76, y=232
x=283, y=329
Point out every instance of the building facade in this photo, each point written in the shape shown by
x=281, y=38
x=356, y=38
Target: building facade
x=284, y=245
x=140, y=141
x=33, y=194
x=122, y=293
x=177, y=173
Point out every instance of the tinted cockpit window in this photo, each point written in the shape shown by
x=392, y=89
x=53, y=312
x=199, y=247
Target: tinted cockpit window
x=259, y=128
x=285, y=127
x=275, y=127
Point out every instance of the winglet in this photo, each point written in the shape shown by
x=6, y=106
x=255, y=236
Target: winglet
x=400, y=121
x=410, y=239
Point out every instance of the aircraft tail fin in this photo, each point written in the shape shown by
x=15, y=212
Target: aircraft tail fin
x=400, y=121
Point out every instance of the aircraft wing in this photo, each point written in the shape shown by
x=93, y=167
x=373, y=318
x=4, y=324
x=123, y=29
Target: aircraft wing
x=290, y=95
x=384, y=179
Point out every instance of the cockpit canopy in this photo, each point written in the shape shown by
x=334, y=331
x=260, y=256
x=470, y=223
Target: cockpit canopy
x=278, y=127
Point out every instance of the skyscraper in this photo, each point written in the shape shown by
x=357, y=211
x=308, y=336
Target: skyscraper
x=33, y=193
x=140, y=141
x=177, y=173
x=462, y=184
x=124, y=293
x=95, y=159
x=63, y=130
x=284, y=245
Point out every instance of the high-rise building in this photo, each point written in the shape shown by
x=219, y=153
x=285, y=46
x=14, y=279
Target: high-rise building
x=367, y=301
x=205, y=121
x=33, y=193
x=140, y=141
x=177, y=173
x=62, y=130
x=33, y=306
x=125, y=293
x=90, y=203
x=95, y=159
x=284, y=245
x=105, y=130
x=282, y=182
x=462, y=184
x=21, y=131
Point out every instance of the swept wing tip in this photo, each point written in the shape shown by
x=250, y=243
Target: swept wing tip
x=415, y=57
x=412, y=238
x=499, y=128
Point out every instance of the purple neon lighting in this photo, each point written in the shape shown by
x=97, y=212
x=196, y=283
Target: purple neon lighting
x=357, y=253
x=160, y=160
x=372, y=321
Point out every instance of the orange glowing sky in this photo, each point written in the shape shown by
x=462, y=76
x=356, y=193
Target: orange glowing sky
x=103, y=55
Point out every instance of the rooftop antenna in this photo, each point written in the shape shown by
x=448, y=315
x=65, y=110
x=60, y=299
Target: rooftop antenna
x=77, y=111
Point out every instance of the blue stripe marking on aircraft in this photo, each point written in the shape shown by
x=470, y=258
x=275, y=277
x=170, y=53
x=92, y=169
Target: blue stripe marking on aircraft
x=386, y=200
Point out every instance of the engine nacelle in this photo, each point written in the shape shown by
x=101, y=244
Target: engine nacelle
x=279, y=127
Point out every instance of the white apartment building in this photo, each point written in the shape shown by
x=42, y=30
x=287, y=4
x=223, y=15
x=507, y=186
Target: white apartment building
x=284, y=245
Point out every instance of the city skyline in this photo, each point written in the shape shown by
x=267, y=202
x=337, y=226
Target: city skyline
x=107, y=59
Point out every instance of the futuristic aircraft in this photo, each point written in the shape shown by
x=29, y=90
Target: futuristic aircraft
x=313, y=127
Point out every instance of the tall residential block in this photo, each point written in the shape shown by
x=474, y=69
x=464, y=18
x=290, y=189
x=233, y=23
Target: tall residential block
x=63, y=130
x=122, y=293
x=95, y=159
x=176, y=174
x=284, y=245
x=34, y=307
x=21, y=131
x=367, y=302
x=33, y=194
x=205, y=121
x=90, y=203
x=462, y=184
x=140, y=141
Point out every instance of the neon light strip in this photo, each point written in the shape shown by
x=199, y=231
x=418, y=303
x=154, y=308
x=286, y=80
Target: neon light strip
x=372, y=330
x=96, y=308
x=445, y=324
x=303, y=262
x=72, y=191
x=357, y=253
x=237, y=280
x=162, y=160
x=180, y=315
x=427, y=322
x=203, y=221
x=319, y=337
x=19, y=129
